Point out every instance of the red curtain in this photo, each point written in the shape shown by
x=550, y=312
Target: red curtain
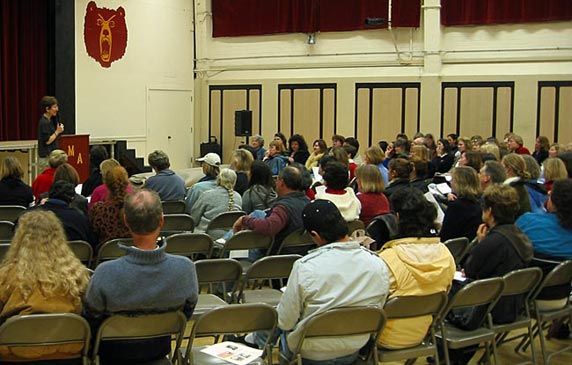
x=475, y=12
x=23, y=67
x=256, y=17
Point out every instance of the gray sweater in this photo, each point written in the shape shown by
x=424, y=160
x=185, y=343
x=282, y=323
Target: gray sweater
x=210, y=204
x=257, y=197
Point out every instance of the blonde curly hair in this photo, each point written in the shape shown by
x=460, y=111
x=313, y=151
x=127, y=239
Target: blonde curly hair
x=40, y=258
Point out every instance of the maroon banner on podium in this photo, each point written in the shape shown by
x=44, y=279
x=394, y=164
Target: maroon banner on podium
x=77, y=148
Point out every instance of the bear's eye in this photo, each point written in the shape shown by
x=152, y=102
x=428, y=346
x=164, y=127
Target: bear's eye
x=99, y=22
x=112, y=24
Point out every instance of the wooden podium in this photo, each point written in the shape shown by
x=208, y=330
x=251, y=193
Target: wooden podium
x=77, y=148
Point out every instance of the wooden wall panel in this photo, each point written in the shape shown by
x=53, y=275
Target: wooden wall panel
x=450, y=99
x=329, y=116
x=362, y=115
x=255, y=104
x=503, y=111
x=476, y=112
x=565, y=115
x=285, y=112
x=306, y=113
x=386, y=114
x=233, y=100
x=547, y=112
x=215, y=114
x=411, y=106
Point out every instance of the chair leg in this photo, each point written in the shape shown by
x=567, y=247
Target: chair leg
x=495, y=354
x=445, y=347
x=542, y=343
x=532, y=348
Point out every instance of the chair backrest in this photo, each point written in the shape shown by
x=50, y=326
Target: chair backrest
x=522, y=281
x=6, y=231
x=382, y=229
x=45, y=330
x=238, y=318
x=147, y=326
x=11, y=212
x=177, y=223
x=267, y=268
x=245, y=240
x=355, y=225
x=415, y=306
x=4, y=247
x=295, y=240
x=345, y=321
x=213, y=271
x=476, y=293
x=457, y=246
x=190, y=244
x=173, y=206
x=561, y=275
x=225, y=220
x=83, y=251
x=110, y=251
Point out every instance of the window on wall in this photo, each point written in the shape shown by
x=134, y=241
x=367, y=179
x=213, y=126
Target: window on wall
x=554, y=111
x=307, y=109
x=477, y=108
x=382, y=110
x=224, y=100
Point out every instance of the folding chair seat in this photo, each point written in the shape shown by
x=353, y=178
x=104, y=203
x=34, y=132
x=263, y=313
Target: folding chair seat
x=341, y=322
x=559, y=277
x=143, y=327
x=177, y=223
x=261, y=273
x=412, y=307
x=6, y=231
x=457, y=247
x=83, y=251
x=48, y=330
x=382, y=229
x=485, y=292
x=298, y=242
x=190, y=245
x=173, y=206
x=231, y=320
x=11, y=212
x=110, y=251
x=216, y=275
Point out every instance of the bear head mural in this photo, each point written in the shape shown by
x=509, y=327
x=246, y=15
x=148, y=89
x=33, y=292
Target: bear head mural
x=105, y=34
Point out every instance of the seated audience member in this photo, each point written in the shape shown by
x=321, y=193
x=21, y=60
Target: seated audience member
x=260, y=194
x=515, y=144
x=375, y=156
x=443, y=162
x=213, y=202
x=76, y=225
x=419, y=264
x=337, y=141
x=463, y=214
x=337, y=191
x=101, y=192
x=341, y=155
x=431, y=144
x=68, y=173
x=476, y=142
x=44, y=180
x=13, y=191
x=257, y=142
x=541, y=147
x=419, y=171
x=554, y=150
x=351, y=141
x=319, y=184
x=517, y=176
x=211, y=168
x=40, y=274
x=361, y=279
x=370, y=186
x=106, y=217
x=165, y=182
x=471, y=159
x=274, y=157
x=319, y=150
x=554, y=169
x=452, y=139
x=351, y=151
x=279, y=136
x=285, y=214
x=399, y=172
x=502, y=247
x=491, y=173
x=401, y=147
x=146, y=280
x=551, y=233
x=298, y=151
x=536, y=191
x=240, y=162
x=490, y=149
x=97, y=155
x=566, y=157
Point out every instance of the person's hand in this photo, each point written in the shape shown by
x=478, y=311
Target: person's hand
x=237, y=226
x=482, y=231
x=451, y=197
x=290, y=160
x=60, y=129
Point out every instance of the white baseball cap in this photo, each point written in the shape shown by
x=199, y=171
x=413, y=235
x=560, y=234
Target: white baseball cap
x=210, y=158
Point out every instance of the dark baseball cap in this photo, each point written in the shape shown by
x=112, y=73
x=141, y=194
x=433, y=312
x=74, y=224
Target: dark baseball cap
x=320, y=215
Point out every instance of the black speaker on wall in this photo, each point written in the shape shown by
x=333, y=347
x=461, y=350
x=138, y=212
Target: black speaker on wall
x=243, y=123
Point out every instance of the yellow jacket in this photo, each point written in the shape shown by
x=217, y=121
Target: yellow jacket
x=417, y=266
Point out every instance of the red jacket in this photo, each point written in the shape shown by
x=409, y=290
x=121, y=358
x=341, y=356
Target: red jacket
x=43, y=182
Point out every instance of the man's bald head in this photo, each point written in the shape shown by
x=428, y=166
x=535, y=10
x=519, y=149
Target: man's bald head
x=143, y=211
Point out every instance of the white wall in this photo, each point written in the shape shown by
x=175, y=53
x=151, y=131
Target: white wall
x=112, y=102
x=430, y=54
